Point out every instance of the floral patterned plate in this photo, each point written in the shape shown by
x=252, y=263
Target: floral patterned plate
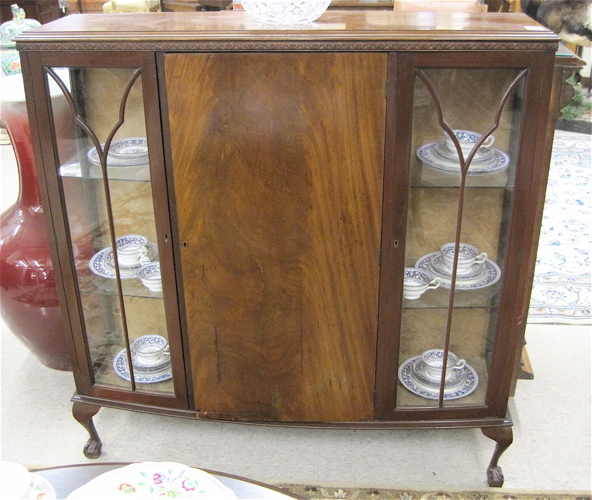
x=40, y=489
x=148, y=480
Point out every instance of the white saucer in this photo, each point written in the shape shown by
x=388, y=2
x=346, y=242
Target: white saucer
x=102, y=263
x=489, y=274
x=427, y=155
x=121, y=368
x=469, y=383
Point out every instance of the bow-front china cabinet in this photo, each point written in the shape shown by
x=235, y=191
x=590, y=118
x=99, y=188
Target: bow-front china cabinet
x=295, y=225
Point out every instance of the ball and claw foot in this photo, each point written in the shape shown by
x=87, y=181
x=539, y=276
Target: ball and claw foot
x=503, y=438
x=84, y=413
x=93, y=448
x=495, y=477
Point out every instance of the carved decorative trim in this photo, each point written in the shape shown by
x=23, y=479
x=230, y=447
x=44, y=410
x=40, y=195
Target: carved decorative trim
x=279, y=46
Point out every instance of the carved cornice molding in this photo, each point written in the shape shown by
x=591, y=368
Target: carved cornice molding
x=280, y=46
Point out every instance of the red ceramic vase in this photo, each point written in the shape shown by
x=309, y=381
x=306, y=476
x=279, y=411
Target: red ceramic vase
x=28, y=296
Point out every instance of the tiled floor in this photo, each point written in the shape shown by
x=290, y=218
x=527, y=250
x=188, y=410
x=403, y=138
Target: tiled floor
x=552, y=427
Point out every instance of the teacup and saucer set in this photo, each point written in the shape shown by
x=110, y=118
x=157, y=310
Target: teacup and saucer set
x=151, y=360
x=474, y=270
x=443, y=155
x=422, y=375
x=133, y=252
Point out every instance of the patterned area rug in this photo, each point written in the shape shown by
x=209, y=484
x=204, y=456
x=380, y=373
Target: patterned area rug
x=320, y=492
x=561, y=290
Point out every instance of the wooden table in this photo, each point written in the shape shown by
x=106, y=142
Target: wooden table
x=67, y=478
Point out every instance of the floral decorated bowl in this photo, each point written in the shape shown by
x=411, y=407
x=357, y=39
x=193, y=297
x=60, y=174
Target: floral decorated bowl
x=285, y=12
x=148, y=480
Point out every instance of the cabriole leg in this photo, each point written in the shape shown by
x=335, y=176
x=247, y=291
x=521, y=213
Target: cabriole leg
x=503, y=437
x=83, y=413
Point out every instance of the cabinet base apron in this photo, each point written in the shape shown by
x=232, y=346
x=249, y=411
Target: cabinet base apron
x=497, y=429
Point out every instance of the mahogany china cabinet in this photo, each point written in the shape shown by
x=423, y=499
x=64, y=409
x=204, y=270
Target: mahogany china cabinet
x=284, y=181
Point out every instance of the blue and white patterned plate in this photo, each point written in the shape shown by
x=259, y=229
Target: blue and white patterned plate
x=121, y=368
x=102, y=263
x=490, y=274
x=468, y=384
x=498, y=163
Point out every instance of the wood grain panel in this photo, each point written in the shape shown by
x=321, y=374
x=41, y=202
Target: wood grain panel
x=278, y=164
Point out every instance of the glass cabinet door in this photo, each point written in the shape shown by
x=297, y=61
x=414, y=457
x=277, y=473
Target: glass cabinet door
x=453, y=249
x=466, y=125
x=107, y=191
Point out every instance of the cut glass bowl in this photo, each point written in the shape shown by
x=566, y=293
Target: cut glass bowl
x=285, y=12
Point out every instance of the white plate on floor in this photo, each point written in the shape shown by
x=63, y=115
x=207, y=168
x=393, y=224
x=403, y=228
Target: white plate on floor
x=149, y=480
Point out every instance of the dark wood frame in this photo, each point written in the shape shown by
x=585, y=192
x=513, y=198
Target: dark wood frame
x=108, y=45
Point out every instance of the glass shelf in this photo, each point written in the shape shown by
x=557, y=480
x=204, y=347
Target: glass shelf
x=463, y=299
x=75, y=169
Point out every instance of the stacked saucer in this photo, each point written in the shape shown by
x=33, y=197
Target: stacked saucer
x=150, y=358
x=480, y=275
x=438, y=156
x=461, y=383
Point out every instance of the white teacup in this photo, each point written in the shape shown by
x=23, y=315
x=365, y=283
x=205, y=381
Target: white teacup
x=130, y=249
x=431, y=365
x=467, y=257
x=15, y=480
x=150, y=351
x=416, y=282
x=150, y=276
x=467, y=140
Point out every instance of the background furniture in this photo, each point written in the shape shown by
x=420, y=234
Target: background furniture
x=193, y=6
x=120, y=6
x=440, y=6
x=43, y=11
x=284, y=194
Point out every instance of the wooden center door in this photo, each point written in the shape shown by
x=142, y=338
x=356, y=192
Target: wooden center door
x=277, y=164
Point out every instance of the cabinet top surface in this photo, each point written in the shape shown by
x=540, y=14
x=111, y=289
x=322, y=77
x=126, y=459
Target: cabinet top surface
x=333, y=26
